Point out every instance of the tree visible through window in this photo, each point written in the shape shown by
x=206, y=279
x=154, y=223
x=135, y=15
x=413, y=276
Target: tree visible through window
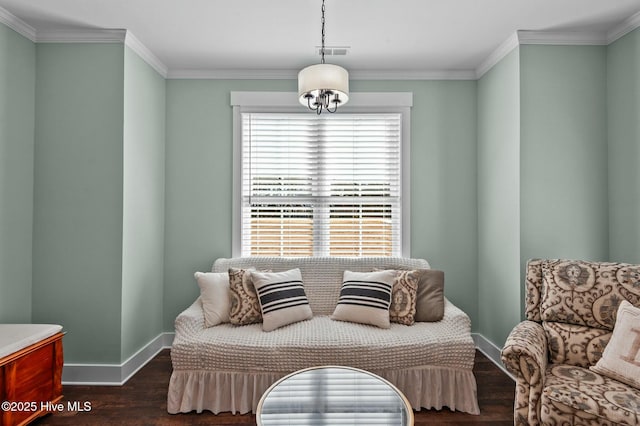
x=321, y=185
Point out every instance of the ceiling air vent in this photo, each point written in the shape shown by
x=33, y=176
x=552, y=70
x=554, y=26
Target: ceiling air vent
x=333, y=50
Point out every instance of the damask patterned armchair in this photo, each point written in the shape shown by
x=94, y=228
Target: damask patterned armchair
x=571, y=309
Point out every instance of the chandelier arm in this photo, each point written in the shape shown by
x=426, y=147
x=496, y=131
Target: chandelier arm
x=335, y=103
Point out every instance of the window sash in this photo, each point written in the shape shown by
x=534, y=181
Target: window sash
x=321, y=185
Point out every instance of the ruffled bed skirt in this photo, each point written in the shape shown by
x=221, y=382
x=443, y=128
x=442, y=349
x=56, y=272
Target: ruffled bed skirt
x=425, y=387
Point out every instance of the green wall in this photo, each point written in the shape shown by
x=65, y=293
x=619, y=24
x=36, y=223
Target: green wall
x=199, y=180
x=99, y=199
x=443, y=174
x=499, y=198
x=77, y=253
x=623, y=105
x=143, y=204
x=564, y=201
x=17, y=104
x=543, y=171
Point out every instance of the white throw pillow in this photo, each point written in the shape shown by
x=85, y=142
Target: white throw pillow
x=365, y=298
x=621, y=357
x=214, y=294
x=282, y=298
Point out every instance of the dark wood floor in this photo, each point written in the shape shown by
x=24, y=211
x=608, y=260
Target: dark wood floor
x=142, y=401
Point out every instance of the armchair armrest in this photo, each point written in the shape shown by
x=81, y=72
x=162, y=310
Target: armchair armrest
x=190, y=321
x=525, y=356
x=526, y=343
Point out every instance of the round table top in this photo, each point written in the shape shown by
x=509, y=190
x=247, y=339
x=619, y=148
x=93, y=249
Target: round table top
x=333, y=395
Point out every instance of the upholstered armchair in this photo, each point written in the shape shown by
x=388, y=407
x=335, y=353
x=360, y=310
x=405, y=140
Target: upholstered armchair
x=564, y=371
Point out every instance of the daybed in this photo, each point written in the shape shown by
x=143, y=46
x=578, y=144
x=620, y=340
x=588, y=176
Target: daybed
x=228, y=367
x=576, y=357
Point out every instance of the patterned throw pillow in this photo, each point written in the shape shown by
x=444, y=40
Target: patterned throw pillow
x=214, y=295
x=403, y=298
x=365, y=298
x=282, y=298
x=621, y=357
x=586, y=293
x=244, y=306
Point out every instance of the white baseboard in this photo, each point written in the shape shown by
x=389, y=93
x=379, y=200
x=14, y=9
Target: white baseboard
x=118, y=374
x=115, y=374
x=491, y=351
x=167, y=340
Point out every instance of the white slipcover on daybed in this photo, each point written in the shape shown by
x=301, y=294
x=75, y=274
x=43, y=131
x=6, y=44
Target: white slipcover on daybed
x=228, y=367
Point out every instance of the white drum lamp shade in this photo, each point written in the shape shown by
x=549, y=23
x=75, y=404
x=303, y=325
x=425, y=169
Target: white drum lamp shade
x=319, y=79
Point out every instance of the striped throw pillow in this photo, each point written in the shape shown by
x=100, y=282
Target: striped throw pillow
x=282, y=298
x=365, y=298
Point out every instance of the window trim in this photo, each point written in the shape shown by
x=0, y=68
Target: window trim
x=359, y=102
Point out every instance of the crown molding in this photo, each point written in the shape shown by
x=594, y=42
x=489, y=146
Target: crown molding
x=18, y=25
x=232, y=74
x=411, y=74
x=291, y=74
x=549, y=38
x=82, y=36
x=105, y=36
x=559, y=38
x=147, y=55
x=497, y=55
x=624, y=28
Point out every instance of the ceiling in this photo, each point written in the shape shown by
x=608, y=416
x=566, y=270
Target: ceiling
x=381, y=35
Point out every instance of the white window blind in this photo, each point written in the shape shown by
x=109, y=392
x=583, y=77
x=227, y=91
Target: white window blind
x=324, y=185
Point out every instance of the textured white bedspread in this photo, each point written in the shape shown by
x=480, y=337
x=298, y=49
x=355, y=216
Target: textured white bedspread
x=322, y=341
x=228, y=368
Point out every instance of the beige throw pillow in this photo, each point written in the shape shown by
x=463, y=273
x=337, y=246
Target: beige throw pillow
x=430, y=298
x=214, y=295
x=365, y=298
x=621, y=357
x=244, y=305
x=282, y=298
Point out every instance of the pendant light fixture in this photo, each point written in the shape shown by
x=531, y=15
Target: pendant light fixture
x=323, y=86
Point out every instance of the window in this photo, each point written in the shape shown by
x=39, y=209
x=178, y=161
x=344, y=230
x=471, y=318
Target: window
x=320, y=185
